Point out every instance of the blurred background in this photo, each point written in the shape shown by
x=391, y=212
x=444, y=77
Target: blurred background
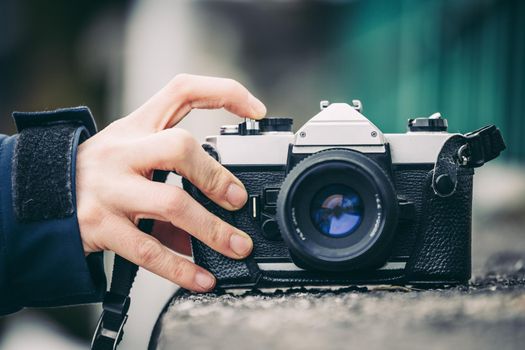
x=401, y=58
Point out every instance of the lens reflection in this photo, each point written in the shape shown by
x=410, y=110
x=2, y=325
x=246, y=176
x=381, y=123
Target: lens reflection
x=336, y=210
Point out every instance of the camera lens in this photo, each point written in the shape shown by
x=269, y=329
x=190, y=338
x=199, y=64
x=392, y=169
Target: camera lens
x=336, y=210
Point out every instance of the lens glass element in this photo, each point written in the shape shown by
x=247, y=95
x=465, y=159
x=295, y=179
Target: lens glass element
x=336, y=210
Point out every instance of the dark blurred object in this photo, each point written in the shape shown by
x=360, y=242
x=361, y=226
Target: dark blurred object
x=58, y=53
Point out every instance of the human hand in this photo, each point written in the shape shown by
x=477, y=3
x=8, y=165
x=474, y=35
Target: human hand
x=114, y=187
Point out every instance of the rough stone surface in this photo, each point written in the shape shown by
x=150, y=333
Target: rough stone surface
x=488, y=314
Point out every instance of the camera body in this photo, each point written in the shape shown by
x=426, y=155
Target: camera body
x=339, y=202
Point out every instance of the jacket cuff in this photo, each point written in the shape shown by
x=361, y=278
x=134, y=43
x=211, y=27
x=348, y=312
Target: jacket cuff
x=46, y=265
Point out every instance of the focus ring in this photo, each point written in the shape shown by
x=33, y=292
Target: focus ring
x=319, y=170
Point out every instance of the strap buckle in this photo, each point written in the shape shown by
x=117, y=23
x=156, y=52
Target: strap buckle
x=107, y=333
x=111, y=323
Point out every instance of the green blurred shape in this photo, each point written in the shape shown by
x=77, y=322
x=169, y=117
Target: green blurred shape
x=463, y=58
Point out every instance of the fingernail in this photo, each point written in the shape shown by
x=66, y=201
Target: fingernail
x=204, y=280
x=258, y=108
x=240, y=245
x=236, y=195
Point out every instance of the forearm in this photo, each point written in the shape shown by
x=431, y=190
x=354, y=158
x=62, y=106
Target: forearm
x=42, y=259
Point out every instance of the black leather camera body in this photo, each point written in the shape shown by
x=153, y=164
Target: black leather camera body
x=341, y=203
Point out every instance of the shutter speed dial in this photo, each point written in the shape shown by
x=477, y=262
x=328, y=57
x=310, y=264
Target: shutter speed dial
x=259, y=127
x=434, y=123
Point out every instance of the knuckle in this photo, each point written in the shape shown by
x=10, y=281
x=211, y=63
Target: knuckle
x=181, y=79
x=175, y=203
x=181, y=86
x=148, y=251
x=234, y=87
x=180, y=269
x=214, y=181
x=216, y=234
x=182, y=135
x=184, y=144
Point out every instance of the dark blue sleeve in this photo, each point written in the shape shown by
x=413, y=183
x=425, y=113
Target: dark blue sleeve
x=42, y=262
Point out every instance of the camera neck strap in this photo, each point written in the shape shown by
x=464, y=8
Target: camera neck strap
x=110, y=327
x=471, y=150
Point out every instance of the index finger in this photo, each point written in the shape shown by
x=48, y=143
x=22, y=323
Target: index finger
x=186, y=92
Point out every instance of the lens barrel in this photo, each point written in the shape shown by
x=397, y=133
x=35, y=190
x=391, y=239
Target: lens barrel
x=337, y=210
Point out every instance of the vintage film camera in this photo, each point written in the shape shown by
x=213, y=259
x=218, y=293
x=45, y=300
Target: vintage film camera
x=339, y=202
